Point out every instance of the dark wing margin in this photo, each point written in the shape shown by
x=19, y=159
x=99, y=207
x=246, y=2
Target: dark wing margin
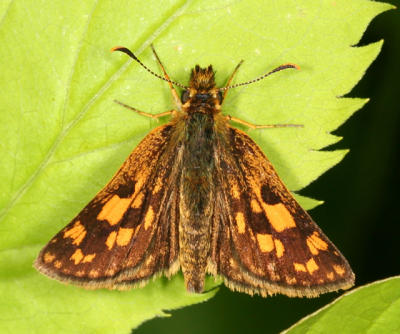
x=263, y=241
x=128, y=233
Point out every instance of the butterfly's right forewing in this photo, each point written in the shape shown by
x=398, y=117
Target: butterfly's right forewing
x=267, y=243
x=129, y=231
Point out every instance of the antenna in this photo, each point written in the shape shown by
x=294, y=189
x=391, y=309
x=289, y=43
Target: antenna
x=130, y=54
x=279, y=68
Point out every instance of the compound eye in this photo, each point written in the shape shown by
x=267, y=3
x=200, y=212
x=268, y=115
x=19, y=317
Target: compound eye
x=219, y=96
x=185, y=96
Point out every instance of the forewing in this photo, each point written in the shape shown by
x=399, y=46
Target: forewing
x=267, y=243
x=128, y=232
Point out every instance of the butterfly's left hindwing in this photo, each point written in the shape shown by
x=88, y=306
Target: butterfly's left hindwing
x=128, y=232
x=267, y=243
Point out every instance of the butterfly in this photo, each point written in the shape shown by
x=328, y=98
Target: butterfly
x=197, y=195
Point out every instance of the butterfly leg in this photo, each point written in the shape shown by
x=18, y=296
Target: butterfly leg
x=231, y=78
x=143, y=113
x=175, y=95
x=254, y=126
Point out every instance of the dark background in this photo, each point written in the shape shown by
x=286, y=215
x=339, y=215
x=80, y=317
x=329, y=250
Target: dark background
x=359, y=215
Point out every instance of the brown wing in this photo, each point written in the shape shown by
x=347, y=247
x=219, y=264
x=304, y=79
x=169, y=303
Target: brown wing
x=129, y=231
x=264, y=242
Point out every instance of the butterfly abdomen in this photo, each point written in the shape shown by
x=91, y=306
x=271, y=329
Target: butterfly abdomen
x=197, y=197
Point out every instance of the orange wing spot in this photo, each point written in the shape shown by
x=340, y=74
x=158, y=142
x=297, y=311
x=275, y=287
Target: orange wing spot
x=277, y=214
x=255, y=207
x=77, y=232
x=310, y=245
x=114, y=209
x=279, y=217
x=291, y=280
x=48, y=257
x=339, y=270
x=279, y=247
x=142, y=177
x=77, y=256
x=124, y=236
x=148, y=219
x=57, y=264
x=94, y=273
x=241, y=226
x=89, y=258
x=299, y=267
x=111, y=240
x=137, y=202
x=311, y=266
x=265, y=242
x=330, y=276
x=315, y=243
x=80, y=273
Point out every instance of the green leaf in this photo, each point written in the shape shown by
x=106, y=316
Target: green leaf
x=373, y=308
x=63, y=137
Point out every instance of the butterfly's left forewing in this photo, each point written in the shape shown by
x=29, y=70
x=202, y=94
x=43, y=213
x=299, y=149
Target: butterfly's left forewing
x=264, y=241
x=128, y=232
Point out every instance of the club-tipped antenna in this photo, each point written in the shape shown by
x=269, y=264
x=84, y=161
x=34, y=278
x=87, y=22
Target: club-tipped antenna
x=130, y=54
x=279, y=68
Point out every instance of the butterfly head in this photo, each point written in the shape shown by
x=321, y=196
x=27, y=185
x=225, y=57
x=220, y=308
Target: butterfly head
x=202, y=91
